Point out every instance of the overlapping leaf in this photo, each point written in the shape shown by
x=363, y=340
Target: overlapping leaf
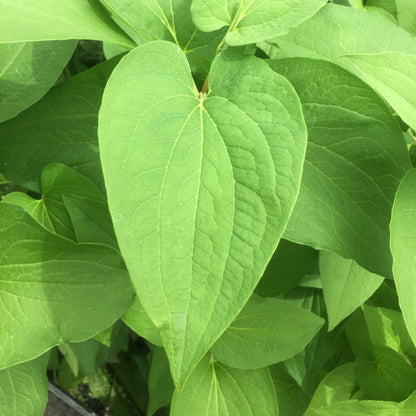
x=71, y=206
x=346, y=286
x=49, y=285
x=403, y=247
x=215, y=390
x=384, y=56
x=199, y=201
x=355, y=159
x=27, y=71
x=22, y=21
x=265, y=332
x=252, y=21
x=61, y=127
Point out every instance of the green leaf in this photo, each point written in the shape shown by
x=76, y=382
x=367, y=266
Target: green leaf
x=391, y=75
x=406, y=15
x=205, y=195
x=289, y=264
x=369, y=408
x=61, y=127
x=265, y=332
x=50, y=284
x=67, y=19
x=71, y=206
x=332, y=32
x=355, y=159
x=252, y=21
x=386, y=327
x=161, y=20
x=161, y=386
x=36, y=208
x=403, y=248
x=27, y=71
x=215, y=390
x=346, y=286
x=356, y=330
x=384, y=57
x=24, y=388
x=292, y=400
x=338, y=386
x=138, y=320
x=387, y=376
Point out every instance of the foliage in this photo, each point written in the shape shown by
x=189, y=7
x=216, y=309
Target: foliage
x=208, y=207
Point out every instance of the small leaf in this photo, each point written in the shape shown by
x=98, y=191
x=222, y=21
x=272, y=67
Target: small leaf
x=387, y=376
x=66, y=19
x=27, y=71
x=215, y=390
x=252, y=21
x=50, y=284
x=138, y=320
x=265, y=332
x=199, y=201
x=346, y=286
x=24, y=388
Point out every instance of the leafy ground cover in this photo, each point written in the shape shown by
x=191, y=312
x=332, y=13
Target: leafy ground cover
x=208, y=207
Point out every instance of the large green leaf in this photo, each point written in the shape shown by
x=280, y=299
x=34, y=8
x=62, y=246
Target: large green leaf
x=215, y=390
x=49, y=285
x=24, y=388
x=403, y=247
x=346, y=286
x=355, y=159
x=22, y=21
x=199, y=201
x=61, y=127
x=384, y=57
x=27, y=71
x=252, y=21
x=386, y=375
x=265, y=332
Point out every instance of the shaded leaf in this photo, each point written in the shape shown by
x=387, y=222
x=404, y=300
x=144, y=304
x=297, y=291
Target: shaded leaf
x=28, y=71
x=387, y=376
x=62, y=127
x=403, y=248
